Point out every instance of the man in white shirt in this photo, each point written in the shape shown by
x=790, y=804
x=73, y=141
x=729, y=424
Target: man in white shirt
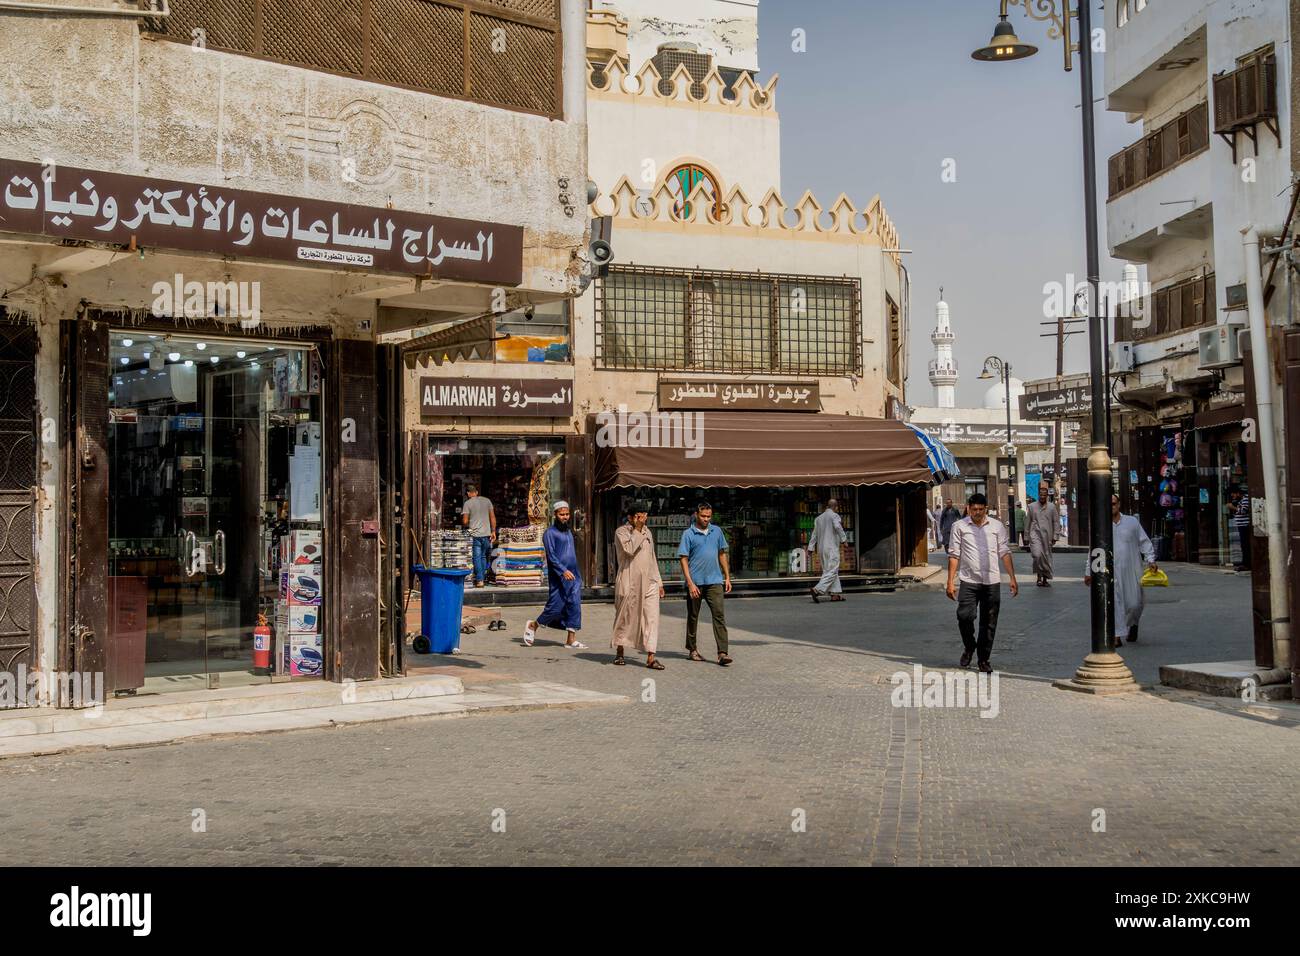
x=977, y=546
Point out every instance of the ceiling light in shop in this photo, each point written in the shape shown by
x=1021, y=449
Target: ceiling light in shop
x=521, y=445
x=201, y=346
x=215, y=359
x=240, y=354
x=189, y=363
x=257, y=365
x=462, y=444
x=125, y=360
x=173, y=356
x=127, y=343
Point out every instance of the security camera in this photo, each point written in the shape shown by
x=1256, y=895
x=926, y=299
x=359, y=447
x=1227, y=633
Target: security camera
x=529, y=312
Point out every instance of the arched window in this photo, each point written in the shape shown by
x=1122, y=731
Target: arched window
x=682, y=182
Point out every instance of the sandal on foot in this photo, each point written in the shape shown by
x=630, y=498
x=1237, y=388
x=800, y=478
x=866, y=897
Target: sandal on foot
x=654, y=665
x=724, y=660
x=695, y=656
x=837, y=597
x=529, y=633
x=577, y=646
x=815, y=596
x=620, y=661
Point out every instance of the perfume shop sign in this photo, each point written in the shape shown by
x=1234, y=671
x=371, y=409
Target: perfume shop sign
x=62, y=202
x=740, y=396
x=502, y=397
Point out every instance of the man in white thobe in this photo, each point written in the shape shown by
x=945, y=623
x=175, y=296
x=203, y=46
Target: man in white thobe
x=1134, y=553
x=828, y=534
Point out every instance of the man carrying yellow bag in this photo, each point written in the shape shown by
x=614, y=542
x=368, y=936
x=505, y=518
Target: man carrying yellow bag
x=1133, y=552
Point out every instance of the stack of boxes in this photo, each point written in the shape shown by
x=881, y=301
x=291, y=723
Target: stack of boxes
x=298, y=605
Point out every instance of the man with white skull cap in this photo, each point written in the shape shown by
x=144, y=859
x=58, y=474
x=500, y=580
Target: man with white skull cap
x=564, y=603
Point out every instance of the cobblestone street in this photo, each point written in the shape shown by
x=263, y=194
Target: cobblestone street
x=719, y=765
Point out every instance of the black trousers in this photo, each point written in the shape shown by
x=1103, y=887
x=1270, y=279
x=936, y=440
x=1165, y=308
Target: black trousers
x=1243, y=535
x=984, y=600
x=713, y=595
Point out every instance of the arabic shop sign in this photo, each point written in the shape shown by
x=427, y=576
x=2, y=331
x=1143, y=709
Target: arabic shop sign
x=955, y=433
x=741, y=396
x=526, y=397
x=1054, y=403
x=66, y=203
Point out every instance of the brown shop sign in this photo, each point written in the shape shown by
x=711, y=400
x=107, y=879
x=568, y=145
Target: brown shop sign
x=61, y=202
x=740, y=396
x=502, y=397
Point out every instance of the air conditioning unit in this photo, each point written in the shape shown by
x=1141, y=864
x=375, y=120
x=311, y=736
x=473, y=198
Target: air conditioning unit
x=1218, y=346
x=1121, y=357
x=672, y=55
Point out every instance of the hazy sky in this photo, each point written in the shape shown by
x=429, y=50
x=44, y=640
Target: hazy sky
x=885, y=93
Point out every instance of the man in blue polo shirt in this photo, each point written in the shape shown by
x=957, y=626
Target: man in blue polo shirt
x=703, y=553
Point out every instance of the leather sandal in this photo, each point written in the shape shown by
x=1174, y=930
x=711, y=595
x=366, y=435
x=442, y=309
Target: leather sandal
x=695, y=656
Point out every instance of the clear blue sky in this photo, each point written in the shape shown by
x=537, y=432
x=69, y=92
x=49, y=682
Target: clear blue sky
x=884, y=94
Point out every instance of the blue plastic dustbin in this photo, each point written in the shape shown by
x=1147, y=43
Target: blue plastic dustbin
x=442, y=595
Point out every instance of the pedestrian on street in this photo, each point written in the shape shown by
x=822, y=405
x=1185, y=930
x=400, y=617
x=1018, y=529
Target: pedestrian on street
x=478, y=516
x=828, y=534
x=936, y=514
x=1022, y=524
x=1133, y=552
x=947, y=519
x=564, y=602
x=1044, y=521
x=703, y=553
x=1241, y=522
x=979, y=545
x=637, y=589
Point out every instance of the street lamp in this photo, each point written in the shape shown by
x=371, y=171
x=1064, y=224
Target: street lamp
x=995, y=367
x=1103, y=671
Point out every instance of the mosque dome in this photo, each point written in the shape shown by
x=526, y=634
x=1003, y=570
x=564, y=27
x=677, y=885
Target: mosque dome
x=996, y=396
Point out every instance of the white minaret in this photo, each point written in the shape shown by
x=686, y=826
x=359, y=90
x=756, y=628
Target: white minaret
x=943, y=368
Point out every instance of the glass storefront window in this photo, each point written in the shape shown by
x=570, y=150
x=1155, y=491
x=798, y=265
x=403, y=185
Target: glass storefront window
x=215, y=510
x=537, y=335
x=763, y=526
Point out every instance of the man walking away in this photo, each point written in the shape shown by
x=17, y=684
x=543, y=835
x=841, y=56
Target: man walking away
x=479, y=517
x=1133, y=552
x=1044, y=522
x=1022, y=525
x=828, y=534
x=564, y=603
x=637, y=589
x=979, y=545
x=947, y=519
x=703, y=553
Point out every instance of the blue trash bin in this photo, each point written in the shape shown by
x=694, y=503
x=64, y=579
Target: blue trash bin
x=442, y=595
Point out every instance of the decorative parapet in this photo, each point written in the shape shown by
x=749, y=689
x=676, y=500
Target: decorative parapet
x=613, y=79
x=770, y=217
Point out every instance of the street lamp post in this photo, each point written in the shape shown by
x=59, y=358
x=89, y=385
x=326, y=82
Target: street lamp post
x=1103, y=671
x=994, y=367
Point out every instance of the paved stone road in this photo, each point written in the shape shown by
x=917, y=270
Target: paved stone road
x=723, y=762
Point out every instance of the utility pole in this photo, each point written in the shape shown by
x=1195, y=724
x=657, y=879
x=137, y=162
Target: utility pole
x=1064, y=329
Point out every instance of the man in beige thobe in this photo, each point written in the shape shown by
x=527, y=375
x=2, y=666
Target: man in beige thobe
x=637, y=589
x=1044, y=526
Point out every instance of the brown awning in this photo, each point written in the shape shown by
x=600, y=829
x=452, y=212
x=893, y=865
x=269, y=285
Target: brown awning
x=1222, y=417
x=456, y=342
x=757, y=450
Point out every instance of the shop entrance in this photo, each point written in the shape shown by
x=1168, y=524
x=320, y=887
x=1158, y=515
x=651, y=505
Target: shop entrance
x=215, y=511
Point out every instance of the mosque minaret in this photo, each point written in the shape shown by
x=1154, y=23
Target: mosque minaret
x=943, y=367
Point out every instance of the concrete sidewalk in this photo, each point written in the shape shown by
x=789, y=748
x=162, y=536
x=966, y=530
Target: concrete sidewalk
x=265, y=708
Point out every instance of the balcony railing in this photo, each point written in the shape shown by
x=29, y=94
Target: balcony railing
x=1189, y=304
x=1181, y=138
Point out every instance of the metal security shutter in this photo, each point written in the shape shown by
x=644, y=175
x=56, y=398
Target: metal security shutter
x=351, y=553
x=83, y=637
x=18, y=430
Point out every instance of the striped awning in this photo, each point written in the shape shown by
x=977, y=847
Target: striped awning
x=941, y=461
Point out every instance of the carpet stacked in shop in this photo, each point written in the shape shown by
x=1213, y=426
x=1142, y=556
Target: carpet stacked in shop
x=520, y=565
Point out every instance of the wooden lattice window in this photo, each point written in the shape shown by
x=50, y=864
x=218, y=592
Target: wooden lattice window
x=505, y=53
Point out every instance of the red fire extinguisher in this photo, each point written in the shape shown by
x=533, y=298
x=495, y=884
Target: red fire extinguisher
x=262, y=645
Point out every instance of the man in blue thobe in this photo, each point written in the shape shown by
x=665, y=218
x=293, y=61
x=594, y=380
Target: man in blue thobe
x=564, y=604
